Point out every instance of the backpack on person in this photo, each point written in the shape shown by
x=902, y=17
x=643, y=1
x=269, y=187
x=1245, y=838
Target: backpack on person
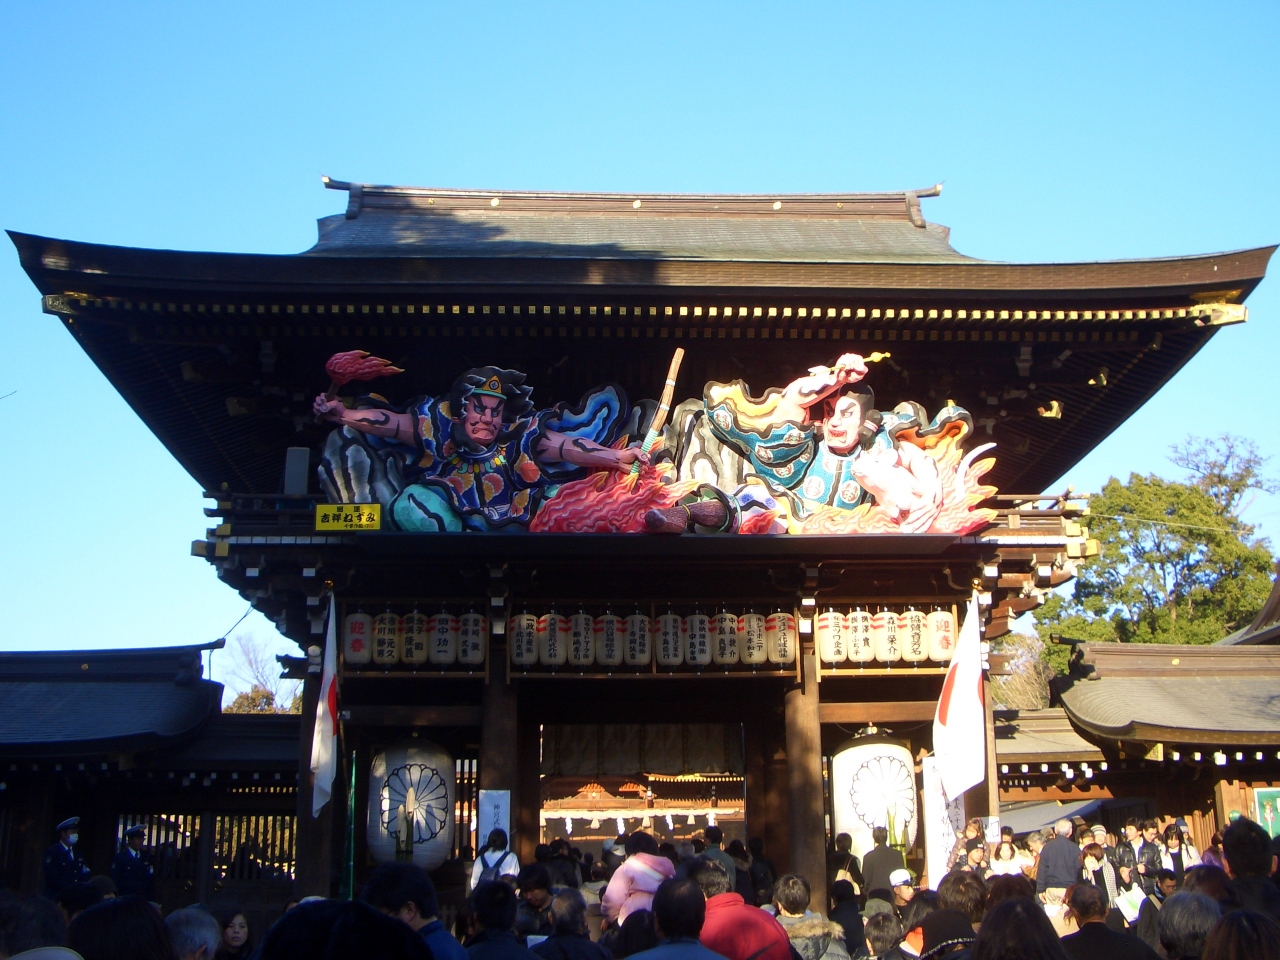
x=492, y=871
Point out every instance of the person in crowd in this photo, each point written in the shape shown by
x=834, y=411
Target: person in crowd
x=493, y=912
x=340, y=930
x=975, y=862
x=1243, y=935
x=715, y=837
x=763, y=873
x=883, y=933
x=960, y=849
x=947, y=933
x=32, y=927
x=1006, y=861
x=131, y=870
x=634, y=883
x=1149, y=856
x=570, y=938
x=880, y=861
x=1178, y=854
x=1088, y=906
x=106, y=885
x=921, y=905
x=1002, y=888
x=236, y=940
x=1249, y=862
x=1184, y=924
x=687, y=854
x=78, y=898
x=845, y=912
x=563, y=866
x=679, y=915
x=965, y=893
x=1125, y=859
x=1035, y=843
x=731, y=928
x=1059, y=864
x=699, y=846
x=495, y=860
x=593, y=889
x=812, y=936
x=533, y=917
x=842, y=864
x=879, y=900
x=903, y=891
x=63, y=864
x=737, y=852
x=609, y=853
x=1146, y=926
x=1213, y=882
x=634, y=935
x=1097, y=869
x=1212, y=854
x=406, y=892
x=668, y=850
x=1017, y=930
x=126, y=928
x=195, y=933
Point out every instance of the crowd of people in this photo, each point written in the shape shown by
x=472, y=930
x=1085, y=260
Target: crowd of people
x=1071, y=897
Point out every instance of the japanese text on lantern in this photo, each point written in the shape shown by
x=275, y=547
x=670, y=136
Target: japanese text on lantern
x=349, y=516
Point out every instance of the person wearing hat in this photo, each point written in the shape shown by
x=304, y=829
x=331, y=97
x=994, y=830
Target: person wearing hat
x=947, y=933
x=903, y=891
x=131, y=869
x=63, y=866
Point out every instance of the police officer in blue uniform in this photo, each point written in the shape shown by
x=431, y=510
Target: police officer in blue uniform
x=131, y=869
x=63, y=866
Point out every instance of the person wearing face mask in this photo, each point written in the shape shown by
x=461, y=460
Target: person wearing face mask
x=1100, y=872
x=63, y=865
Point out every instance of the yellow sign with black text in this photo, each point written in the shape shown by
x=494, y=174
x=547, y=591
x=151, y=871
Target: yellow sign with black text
x=349, y=516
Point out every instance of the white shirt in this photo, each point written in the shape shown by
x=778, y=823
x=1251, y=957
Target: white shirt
x=506, y=862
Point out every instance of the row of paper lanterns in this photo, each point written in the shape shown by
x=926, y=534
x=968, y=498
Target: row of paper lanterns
x=887, y=636
x=415, y=638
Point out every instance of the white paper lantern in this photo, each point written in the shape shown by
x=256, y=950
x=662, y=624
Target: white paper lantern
x=581, y=645
x=671, y=640
x=473, y=638
x=388, y=639
x=411, y=799
x=357, y=638
x=697, y=632
x=873, y=784
x=608, y=637
x=639, y=640
x=884, y=636
x=444, y=639
x=942, y=635
x=417, y=638
x=780, y=636
x=914, y=629
x=861, y=649
x=751, y=633
x=553, y=639
x=522, y=639
x=832, y=630
x=724, y=647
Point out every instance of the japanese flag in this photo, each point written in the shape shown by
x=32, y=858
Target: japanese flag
x=959, y=726
x=324, y=741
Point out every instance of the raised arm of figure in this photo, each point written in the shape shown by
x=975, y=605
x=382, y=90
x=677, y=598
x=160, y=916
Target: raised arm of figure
x=380, y=423
x=558, y=447
x=799, y=395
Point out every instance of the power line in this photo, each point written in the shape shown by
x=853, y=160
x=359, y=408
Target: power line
x=1169, y=523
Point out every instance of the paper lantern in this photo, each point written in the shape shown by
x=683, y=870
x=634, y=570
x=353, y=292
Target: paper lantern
x=697, y=632
x=942, y=634
x=639, y=640
x=581, y=647
x=473, y=638
x=751, y=630
x=608, y=639
x=553, y=639
x=357, y=638
x=860, y=647
x=780, y=636
x=444, y=639
x=832, y=629
x=914, y=629
x=411, y=798
x=417, y=638
x=522, y=639
x=873, y=784
x=671, y=640
x=724, y=647
x=388, y=639
x=884, y=636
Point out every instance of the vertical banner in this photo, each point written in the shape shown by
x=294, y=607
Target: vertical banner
x=493, y=812
x=943, y=822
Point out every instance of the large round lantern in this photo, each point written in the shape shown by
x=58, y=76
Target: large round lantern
x=671, y=640
x=780, y=636
x=914, y=635
x=942, y=634
x=697, y=632
x=751, y=633
x=473, y=638
x=609, y=639
x=833, y=630
x=873, y=784
x=639, y=640
x=388, y=638
x=411, y=798
x=861, y=649
x=724, y=649
x=581, y=640
x=417, y=638
x=357, y=638
x=553, y=639
x=522, y=638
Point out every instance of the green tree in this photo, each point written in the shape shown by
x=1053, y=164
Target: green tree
x=1177, y=565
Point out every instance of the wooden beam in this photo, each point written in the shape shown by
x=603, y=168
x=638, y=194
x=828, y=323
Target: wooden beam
x=1095, y=791
x=884, y=711
x=412, y=716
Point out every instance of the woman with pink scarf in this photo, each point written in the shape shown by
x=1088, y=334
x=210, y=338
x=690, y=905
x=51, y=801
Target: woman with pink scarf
x=634, y=883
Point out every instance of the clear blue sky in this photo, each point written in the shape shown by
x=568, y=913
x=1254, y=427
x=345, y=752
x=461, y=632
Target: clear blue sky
x=1061, y=131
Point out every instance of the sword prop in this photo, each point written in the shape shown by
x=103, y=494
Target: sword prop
x=664, y=407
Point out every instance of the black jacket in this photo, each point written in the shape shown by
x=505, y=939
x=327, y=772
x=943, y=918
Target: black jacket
x=1096, y=942
x=1059, y=865
x=1149, y=857
x=497, y=945
x=1259, y=894
x=62, y=868
x=133, y=875
x=879, y=862
x=566, y=947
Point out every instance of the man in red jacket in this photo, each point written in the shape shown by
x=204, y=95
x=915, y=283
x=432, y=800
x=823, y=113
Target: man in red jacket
x=732, y=928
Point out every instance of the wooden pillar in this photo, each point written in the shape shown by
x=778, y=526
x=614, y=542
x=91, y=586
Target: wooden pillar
x=804, y=784
x=777, y=826
x=527, y=804
x=36, y=831
x=754, y=752
x=313, y=857
x=499, y=746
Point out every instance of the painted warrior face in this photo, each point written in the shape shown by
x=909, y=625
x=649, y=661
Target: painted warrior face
x=841, y=427
x=482, y=419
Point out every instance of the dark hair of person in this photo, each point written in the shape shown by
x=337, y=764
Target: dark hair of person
x=641, y=842
x=1246, y=848
x=736, y=849
x=1087, y=902
x=710, y=876
x=497, y=840
x=192, y=928
x=879, y=835
x=494, y=905
x=392, y=885
x=1151, y=825
x=1092, y=850
x=542, y=852
x=340, y=930
x=569, y=913
x=1135, y=822
x=559, y=847
x=883, y=933
x=1184, y=923
x=126, y=928
x=1017, y=930
x=679, y=909
x=791, y=893
x=78, y=897
x=1173, y=830
x=963, y=891
x=1210, y=880
x=1243, y=935
x=1008, y=887
x=842, y=891
x=920, y=906
x=844, y=842
x=533, y=877
x=698, y=845
x=1163, y=876
x=27, y=923
x=756, y=846
x=224, y=920
x=635, y=935
x=668, y=850
x=714, y=834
